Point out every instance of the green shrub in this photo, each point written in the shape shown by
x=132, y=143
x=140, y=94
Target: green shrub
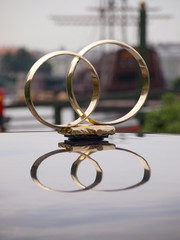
x=165, y=119
x=176, y=84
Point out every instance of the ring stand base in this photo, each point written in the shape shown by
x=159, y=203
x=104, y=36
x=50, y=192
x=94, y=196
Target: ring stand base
x=88, y=145
x=87, y=132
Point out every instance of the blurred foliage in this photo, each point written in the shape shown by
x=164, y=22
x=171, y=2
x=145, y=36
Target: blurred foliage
x=176, y=83
x=22, y=61
x=165, y=119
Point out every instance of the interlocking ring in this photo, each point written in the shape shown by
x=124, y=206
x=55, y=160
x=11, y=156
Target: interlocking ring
x=37, y=163
x=146, y=177
x=96, y=86
x=98, y=169
x=145, y=83
x=95, y=96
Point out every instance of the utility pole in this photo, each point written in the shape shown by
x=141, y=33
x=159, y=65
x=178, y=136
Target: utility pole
x=124, y=20
x=102, y=18
x=142, y=32
x=111, y=18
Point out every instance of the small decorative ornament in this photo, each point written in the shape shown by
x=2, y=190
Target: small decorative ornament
x=95, y=128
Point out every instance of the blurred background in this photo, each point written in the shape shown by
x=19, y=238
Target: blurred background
x=30, y=29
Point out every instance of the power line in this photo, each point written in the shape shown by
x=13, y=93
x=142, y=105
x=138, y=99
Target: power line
x=111, y=13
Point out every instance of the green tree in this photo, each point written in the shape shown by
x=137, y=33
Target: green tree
x=176, y=83
x=22, y=61
x=7, y=62
x=165, y=119
x=45, y=68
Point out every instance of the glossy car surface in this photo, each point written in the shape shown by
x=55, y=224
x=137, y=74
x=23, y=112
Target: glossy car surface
x=127, y=189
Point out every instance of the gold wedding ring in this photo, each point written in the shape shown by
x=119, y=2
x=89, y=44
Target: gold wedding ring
x=95, y=95
x=145, y=82
x=73, y=129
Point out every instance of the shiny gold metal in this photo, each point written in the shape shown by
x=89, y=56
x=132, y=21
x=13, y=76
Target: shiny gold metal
x=88, y=130
x=84, y=152
x=145, y=83
x=146, y=177
x=73, y=128
x=89, y=148
x=37, y=163
x=83, y=115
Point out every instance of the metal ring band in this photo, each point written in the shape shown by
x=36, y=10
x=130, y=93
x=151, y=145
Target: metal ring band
x=37, y=163
x=75, y=166
x=146, y=177
x=145, y=83
x=95, y=96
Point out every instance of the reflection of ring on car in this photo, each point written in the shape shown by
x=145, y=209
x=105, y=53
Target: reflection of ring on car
x=146, y=176
x=45, y=156
x=87, y=151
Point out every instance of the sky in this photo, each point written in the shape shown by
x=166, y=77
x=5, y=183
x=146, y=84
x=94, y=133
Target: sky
x=28, y=24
